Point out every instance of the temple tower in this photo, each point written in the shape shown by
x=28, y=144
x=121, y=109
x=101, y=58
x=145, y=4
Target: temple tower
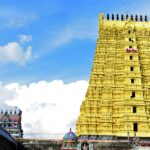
x=117, y=101
x=10, y=120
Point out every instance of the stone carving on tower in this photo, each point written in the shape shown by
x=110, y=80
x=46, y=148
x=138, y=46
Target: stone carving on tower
x=117, y=100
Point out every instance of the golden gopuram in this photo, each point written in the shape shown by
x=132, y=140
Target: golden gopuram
x=117, y=101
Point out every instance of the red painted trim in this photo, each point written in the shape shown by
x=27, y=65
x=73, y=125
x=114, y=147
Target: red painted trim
x=129, y=50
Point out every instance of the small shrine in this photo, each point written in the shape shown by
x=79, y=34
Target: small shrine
x=69, y=141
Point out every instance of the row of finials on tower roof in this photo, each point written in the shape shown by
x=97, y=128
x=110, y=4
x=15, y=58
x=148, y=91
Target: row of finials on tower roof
x=125, y=17
x=19, y=112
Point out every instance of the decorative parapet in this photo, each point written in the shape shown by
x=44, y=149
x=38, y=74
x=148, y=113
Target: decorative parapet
x=126, y=17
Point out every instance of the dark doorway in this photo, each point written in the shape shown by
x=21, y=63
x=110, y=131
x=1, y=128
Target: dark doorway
x=131, y=57
x=135, y=126
x=134, y=109
x=132, y=80
x=133, y=95
x=84, y=145
x=131, y=68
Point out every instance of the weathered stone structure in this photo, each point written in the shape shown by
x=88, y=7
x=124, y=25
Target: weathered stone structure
x=41, y=144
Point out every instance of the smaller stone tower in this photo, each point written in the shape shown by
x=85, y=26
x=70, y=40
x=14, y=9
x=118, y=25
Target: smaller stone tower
x=10, y=120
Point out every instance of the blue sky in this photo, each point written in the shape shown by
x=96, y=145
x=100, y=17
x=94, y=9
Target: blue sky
x=63, y=35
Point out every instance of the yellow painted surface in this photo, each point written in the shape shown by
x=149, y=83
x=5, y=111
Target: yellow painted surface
x=111, y=95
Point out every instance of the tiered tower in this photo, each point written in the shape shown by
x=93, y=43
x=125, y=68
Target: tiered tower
x=11, y=121
x=117, y=102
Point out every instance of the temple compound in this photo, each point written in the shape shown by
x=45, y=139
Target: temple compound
x=117, y=101
x=10, y=120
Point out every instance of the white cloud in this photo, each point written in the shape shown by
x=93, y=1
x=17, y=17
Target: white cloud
x=5, y=95
x=14, y=52
x=48, y=107
x=80, y=29
x=25, y=38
